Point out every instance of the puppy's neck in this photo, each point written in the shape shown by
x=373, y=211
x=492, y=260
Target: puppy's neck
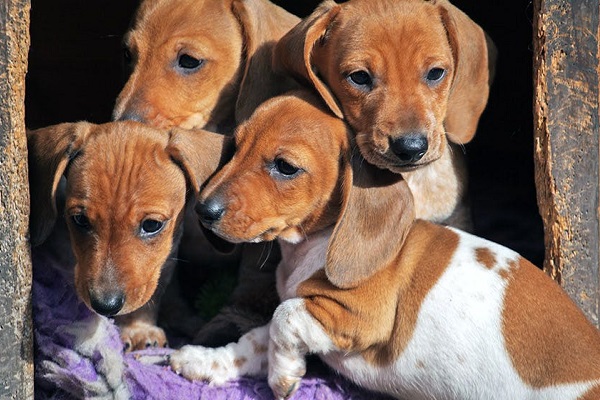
x=443, y=177
x=300, y=261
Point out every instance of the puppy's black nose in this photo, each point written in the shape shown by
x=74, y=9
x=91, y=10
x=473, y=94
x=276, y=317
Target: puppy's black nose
x=409, y=148
x=210, y=210
x=107, y=304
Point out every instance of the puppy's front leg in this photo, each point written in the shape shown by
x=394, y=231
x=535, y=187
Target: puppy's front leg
x=246, y=357
x=294, y=333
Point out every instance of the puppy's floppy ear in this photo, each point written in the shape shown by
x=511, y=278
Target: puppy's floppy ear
x=49, y=151
x=377, y=213
x=474, y=61
x=262, y=24
x=293, y=53
x=198, y=153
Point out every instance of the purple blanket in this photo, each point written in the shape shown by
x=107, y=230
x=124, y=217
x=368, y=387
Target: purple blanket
x=78, y=355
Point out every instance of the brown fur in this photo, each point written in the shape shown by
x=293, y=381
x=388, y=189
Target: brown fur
x=378, y=316
x=119, y=175
x=381, y=262
x=234, y=40
x=243, y=176
x=485, y=257
x=536, y=310
x=397, y=43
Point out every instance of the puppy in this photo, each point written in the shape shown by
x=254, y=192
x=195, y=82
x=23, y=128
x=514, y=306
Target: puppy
x=201, y=63
x=127, y=187
x=407, y=75
x=207, y=64
x=397, y=305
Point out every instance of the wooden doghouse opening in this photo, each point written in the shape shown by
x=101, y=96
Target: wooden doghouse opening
x=74, y=73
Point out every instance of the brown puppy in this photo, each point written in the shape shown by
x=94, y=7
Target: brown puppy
x=207, y=64
x=201, y=63
x=127, y=187
x=397, y=305
x=406, y=75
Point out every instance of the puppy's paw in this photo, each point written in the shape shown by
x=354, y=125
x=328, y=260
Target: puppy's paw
x=285, y=372
x=284, y=387
x=142, y=335
x=216, y=366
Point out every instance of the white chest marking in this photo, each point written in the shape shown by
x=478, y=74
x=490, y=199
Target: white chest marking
x=300, y=261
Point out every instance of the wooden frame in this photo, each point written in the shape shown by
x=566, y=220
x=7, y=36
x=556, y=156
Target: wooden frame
x=16, y=355
x=566, y=152
x=566, y=144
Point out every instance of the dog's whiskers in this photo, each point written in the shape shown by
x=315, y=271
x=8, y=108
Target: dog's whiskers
x=304, y=234
x=269, y=246
x=461, y=145
x=178, y=259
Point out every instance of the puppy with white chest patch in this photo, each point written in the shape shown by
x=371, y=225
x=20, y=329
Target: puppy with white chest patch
x=127, y=189
x=396, y=304
x=407, y=76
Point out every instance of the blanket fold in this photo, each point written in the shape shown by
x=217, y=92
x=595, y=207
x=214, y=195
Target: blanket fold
x=79, y=355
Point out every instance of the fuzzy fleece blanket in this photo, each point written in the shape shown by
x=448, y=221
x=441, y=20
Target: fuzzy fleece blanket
x=78, y=355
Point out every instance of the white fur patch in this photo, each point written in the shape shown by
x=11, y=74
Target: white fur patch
x=432, y=181
x=457, y=350
x=300, y=261
x=294, y=333
x=247, y=357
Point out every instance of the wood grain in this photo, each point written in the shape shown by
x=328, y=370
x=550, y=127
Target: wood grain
x=566, y=144
x=16, y=364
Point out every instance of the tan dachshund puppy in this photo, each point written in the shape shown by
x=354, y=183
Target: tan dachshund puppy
x=400, y=306
x=127, y=187
x=407, y=75
x=201, y=63
x=207, y=64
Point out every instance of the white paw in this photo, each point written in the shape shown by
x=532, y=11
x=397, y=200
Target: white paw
x=285, y=371
x=216, y=366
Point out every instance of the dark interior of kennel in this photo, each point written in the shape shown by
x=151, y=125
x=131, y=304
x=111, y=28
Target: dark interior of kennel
x=75, y=74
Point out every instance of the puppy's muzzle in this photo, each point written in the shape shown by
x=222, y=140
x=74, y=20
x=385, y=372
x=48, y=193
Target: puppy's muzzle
x=210, y=211
x=409, y=148
x=109, y=303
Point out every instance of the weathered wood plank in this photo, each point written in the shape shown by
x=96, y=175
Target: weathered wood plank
x=567, y=143
x=16, y=364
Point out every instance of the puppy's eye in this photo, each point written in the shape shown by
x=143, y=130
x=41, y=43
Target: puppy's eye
x=151, y=227
x=81, y=221
x=187, y=62
x=285, y=168
x=435, y=75
x=361, y=80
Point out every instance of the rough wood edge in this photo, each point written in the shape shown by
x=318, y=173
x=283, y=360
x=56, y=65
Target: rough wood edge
x=571, y=228
x=16, y=354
